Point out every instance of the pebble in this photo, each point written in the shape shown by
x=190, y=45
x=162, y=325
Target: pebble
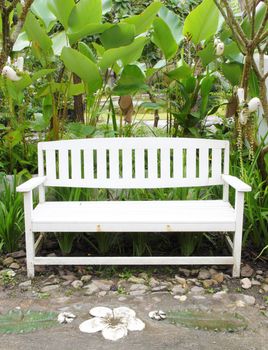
x=159, y=288
x=178, y=289
x=247, y=271
x=8, y=261
x=240, y=303
x=186, y=272
x=49, y=288
x=138, y=286
x=203, y=274
x=153, y=282
x=77, y=284
x=219, y=295
x=180, y=297
x=218, y=277
x=14, y=266
x=18, y=254
x=143, y=275
x=136, y=280
x=265, y=288
x=25, y=285
x=180, y=280
x=102, y=293
x=208, y=283
x=249, y=300
x=103, y=284
x=197, y=289
x=86, y=278
x=245, y=283
x=91, y=289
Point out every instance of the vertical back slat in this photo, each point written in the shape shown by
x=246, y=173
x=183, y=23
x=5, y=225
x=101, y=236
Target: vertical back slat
x=191, y=163
x=216, y=162
x=152, y=163
x=63, y=164
x=203, y=163
x=101, y=164
x=139, y=163
x=88, y=164
x=40, y=161
x=114, y=163
x=177, y=163
x=51, y=164
x=76, y=163
x=127, y=163
x=165, y=163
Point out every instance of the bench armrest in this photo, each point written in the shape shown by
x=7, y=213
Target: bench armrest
x=31, y=184
x=236, y=183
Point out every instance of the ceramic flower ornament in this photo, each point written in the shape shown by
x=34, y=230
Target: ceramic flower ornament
x=113, y=323
x=254, y=104
x=219, y=49
x=12, y=73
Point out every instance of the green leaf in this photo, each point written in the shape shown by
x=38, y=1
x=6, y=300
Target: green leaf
x=232, y=52
x=42, y=73
x=59, y=40
x=40, y=123
x=17, y=321
x=144, y=21
x=207, y=55
x=89, y=29
x=86, y=50
x=259, y=16
x=232, y=72
x=173, y=22
x=62, y=10
x=180, y=73
x=127, y=54
x=118, y=35
x=205, y=88
x=131, y=81
x=82, y=66
x=207, y=320
x=79, y=130
x=41, y=9
x=85, y=12
x=106, y=6
x=164, y=39
x=37, y=34
x=21, y=42
x=202, y=22
x=151, y=106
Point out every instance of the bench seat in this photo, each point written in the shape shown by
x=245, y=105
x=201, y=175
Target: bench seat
x=132, y=216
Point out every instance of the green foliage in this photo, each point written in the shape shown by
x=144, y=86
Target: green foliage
x=164, y=39
x=131, y=81
x=18, y=321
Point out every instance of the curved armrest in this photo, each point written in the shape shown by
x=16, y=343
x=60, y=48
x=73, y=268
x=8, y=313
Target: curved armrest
x=236, y=183
x=31, y=184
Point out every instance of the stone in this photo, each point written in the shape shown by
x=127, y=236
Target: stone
x=218, y=277
x=255, y=282
x=181, y=298
x=203, y=274
x=49, y=288
x=52, y=255
x=178, y=289
x=240, y=303
x=247, y=271
x=14, y=266
x=69, y=277
x=91, y=289
x=102, y=293
x=25, y=285
x=103, y=284
x=8, y=261
x=143, y=275
x=265, y=288
x=8, y=272
x=219, y=295
x=18, y=254
x=197, y=289
x=180, y=280
x=259, y=272
x=137, y=292
x=160, y=288
x=245, y=283
x=86, y=278
x=249, y=299
x=186, y=272
x=77, y=284
x=136, y=280
x=138, y=286
x=153, y=282
x=66, y=283
x=208, y=283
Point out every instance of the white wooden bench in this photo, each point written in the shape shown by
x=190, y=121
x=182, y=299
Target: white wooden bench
x=125, y=163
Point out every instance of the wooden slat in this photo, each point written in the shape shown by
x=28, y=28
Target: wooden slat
x=76, y=163
x=127, y=163
x=88, y=164
x=191, y=163
x=50, y=164
x=139, y=164
x=101, y=164
x=63, y=164
x=177, y=163
x=114, y=163
x=152, y=163
x=203, y=163
x=216, y=162
x=165, y=163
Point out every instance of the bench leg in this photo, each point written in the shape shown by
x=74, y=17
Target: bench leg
x=237, y=242
x=30, y=252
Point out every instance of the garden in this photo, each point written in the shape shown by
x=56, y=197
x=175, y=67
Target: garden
x=117, y=69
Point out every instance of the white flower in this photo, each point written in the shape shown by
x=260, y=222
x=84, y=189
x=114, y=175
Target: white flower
x=241, y=95
x=114, y=324
x=254, y=104
x=157, y=315
x=217, y=41
x=10, y=73
x=19, y=63
x=219, y=49
x=213, y=120
x=243, y=117
x=66, y=317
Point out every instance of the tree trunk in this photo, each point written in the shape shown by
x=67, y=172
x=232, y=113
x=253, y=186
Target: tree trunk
x=78, y=102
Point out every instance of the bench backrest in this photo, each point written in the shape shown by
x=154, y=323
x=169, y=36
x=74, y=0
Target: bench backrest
x=133, y=162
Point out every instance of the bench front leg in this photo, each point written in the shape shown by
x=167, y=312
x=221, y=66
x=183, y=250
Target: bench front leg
x=29, y=235
x=237, y=242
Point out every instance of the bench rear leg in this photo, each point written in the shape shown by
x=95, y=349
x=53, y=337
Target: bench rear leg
x=237, y=242
x=29, y=237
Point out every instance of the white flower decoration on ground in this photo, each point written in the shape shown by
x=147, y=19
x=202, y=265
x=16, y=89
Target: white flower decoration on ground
x=113, y=323
x=157, y=315
x=66, y=317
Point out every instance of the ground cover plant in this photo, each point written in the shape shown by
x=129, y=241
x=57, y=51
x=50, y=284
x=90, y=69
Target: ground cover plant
x=91, y=68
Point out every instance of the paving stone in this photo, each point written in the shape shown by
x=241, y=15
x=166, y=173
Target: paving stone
x=103, y=284
x=86, y=278
x=138, y=286
x=77, y=284
x=247, y=271
x=249, y=299
x=25, y=285
x=197, y=289
x=203, y=274
x=180, y=280
x=49, y=288
x=153, y=282
x=160, y=288
x=91, y=289
x=14, y=266
x=178, y=289
x=8, y=261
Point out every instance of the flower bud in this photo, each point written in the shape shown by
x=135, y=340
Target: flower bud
x=219, y=49
x=10, y=73
x=254, y=104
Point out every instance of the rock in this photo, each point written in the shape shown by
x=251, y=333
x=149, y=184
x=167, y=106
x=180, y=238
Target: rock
x=138, y=286
x=86, y=278
x=240, y=303
x=103, y=284
x=18, y=254
x=136, y=280
x=66, y=283
x=212, y=271
x=255, y=282
x=203, y=274
x=180, y=297
x=52, y=280
x=197, y=289
x=219, y=295
x=153, y=282
x=218, y=277
x=91, y=289
x=199, y=297
x=180, y=280
x=249, y=300
x=49, y=288
x=137, y=292
x=8, y=261
x=102, y=293
x=178, y=289
x=186, y=272
x=160, y=288
x=77, y=284
x=143, y=275
x=245, y=283
x=8, y=272
x=259, y=272
x=208, y=283
x=69, y=277
x=247, y=271
x=14, y=266
x=25, y=285
x=265, y=288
